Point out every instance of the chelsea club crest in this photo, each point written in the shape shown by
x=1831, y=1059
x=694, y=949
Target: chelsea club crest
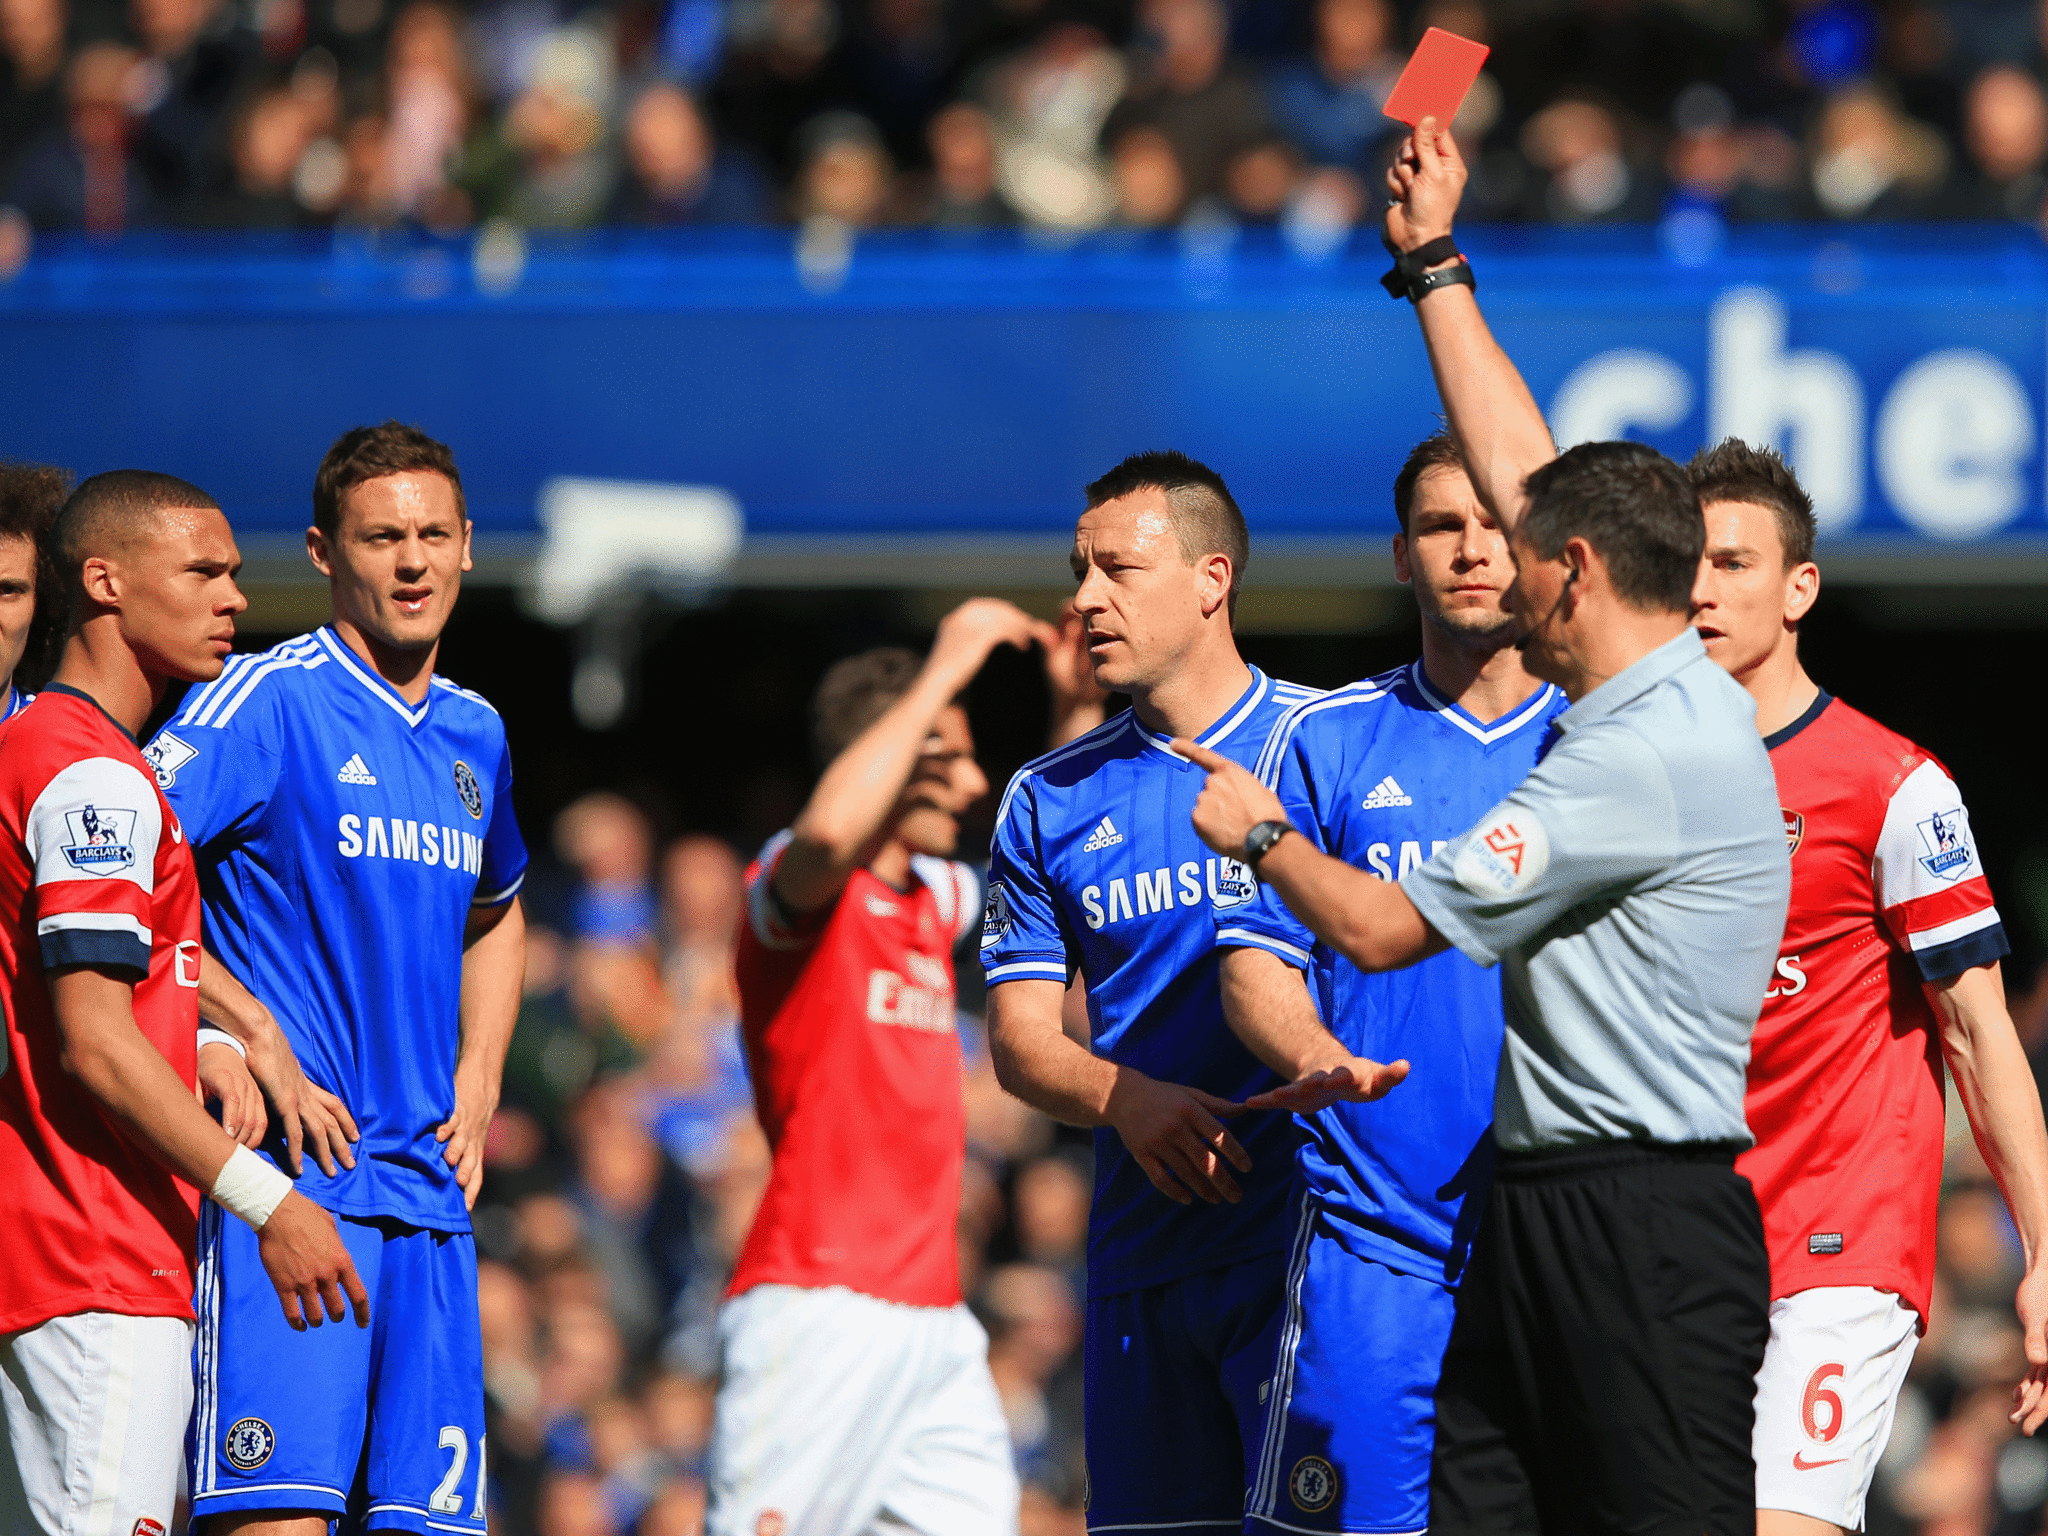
x=248, y=1444
x=471, y=792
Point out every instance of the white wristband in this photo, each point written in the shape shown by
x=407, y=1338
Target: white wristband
x=250, y=1188
x=213, y=1034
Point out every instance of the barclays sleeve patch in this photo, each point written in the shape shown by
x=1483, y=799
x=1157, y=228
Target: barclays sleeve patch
x=166, y=755
x=1946, y=851
x=995, y=915
x=102, y=839
x=1504, y=856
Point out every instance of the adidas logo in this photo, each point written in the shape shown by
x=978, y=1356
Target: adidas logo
x=1385, y=794
x=356, y=771
x=1103, y=836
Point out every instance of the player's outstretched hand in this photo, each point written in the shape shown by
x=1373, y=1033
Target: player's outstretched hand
x=1177, y=1137
x=463, y=1132
x=224, y=1076
x=306, y=1261
x=313, y=1119
x=1424, y=185
x=1231, y=803
x=1360, y=1082
x=2030, y=1397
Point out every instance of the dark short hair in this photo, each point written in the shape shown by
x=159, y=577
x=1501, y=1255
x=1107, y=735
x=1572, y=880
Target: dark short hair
x=855, y=692
x=110, y=508
x=1439, y=450
x=1635, y=507
x=1205, y=516
x=1733, y=470
x=31, y=496
x=371, y=453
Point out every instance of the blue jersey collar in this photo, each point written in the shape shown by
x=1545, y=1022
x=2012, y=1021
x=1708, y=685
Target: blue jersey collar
x=1231, y=719
x=338, y=650
x=1532, y=709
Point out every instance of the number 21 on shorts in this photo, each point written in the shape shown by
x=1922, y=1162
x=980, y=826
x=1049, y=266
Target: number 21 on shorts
x=447, y=1499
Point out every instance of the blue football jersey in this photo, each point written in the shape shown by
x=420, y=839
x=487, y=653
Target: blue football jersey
x=17, y=701
x=1381, y=774
x=1096, y=867
x=342, y=837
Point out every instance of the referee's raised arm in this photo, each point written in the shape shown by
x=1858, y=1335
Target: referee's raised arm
x=1500, y=430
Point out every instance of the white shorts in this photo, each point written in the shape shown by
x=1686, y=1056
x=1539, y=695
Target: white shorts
x=1825, y=1396
x=840, y=1415
x=93, y=1410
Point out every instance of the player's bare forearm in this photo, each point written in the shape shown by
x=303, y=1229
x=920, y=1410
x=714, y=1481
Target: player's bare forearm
x=1500, y=430
x=309, y=1114
x=1996, y=1084
x=841, y=826
x=1267, y=1005
x=1175, y=1132
x=102, y=1047
x=1038, y=1061
x=493, y=976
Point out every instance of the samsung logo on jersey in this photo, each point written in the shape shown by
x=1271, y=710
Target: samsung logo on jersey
x=1379, y=858
x=1227, y=882
x=421, y=842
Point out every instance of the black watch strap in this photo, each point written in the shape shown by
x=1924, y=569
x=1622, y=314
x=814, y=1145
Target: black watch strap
x=1260, y=840
x=1407, y=279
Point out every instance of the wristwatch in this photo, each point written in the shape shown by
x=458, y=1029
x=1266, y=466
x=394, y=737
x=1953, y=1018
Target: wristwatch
x=1260, y=840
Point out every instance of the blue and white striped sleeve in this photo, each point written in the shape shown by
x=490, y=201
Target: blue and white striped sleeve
x=1022, y=938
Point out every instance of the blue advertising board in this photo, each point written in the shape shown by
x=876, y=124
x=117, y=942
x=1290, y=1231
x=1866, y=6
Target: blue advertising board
x=970, y=388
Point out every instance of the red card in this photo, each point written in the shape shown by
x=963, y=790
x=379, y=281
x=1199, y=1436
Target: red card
x=1439, y=73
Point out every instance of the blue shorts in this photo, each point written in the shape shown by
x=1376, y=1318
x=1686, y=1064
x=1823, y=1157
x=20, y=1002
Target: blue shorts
x=383, y=1425
x=1352, y=1415
x=1175, y=1382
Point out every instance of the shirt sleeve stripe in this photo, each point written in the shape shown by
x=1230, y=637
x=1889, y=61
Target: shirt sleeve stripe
x=501, y=897
x=94, y=946
x=1944, y=933
x=1967, y=953
x=1055, y=970
x=1245, y=938
x=96, y=922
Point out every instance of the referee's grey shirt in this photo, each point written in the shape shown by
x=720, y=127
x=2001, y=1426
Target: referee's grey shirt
x=1633, y=890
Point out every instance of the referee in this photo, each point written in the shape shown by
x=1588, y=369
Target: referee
x=1633, y=889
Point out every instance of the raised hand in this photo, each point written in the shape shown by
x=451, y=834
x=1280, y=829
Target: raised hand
x=1231, y=803
x=967, y=634
x=1424, y=185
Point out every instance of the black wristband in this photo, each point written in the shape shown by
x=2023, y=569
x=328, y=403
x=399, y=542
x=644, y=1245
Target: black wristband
x=1443, y=277
x=1407, y=271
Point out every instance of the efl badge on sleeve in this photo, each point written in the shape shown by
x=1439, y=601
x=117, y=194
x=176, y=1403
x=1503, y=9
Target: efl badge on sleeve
x=1946, y=837
x=471, y=792
x=102, y=839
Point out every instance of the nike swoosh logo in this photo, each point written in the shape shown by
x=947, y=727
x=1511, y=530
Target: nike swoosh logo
x=1800, y=1462
x=177, y=833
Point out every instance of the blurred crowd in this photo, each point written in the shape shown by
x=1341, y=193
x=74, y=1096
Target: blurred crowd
x=1053, y=115
x=625, y=1165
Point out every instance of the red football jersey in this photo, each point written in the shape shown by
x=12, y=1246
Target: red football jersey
x=1845, y=1072
x=93, y=870
x=856, y=1065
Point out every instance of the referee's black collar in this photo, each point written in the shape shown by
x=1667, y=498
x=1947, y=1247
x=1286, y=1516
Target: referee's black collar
x=1778, y=738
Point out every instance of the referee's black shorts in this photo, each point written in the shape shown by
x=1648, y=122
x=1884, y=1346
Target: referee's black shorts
x=1601, y=1372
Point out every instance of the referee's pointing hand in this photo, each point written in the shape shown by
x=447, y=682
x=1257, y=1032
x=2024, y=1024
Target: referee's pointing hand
x=1231, y=803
